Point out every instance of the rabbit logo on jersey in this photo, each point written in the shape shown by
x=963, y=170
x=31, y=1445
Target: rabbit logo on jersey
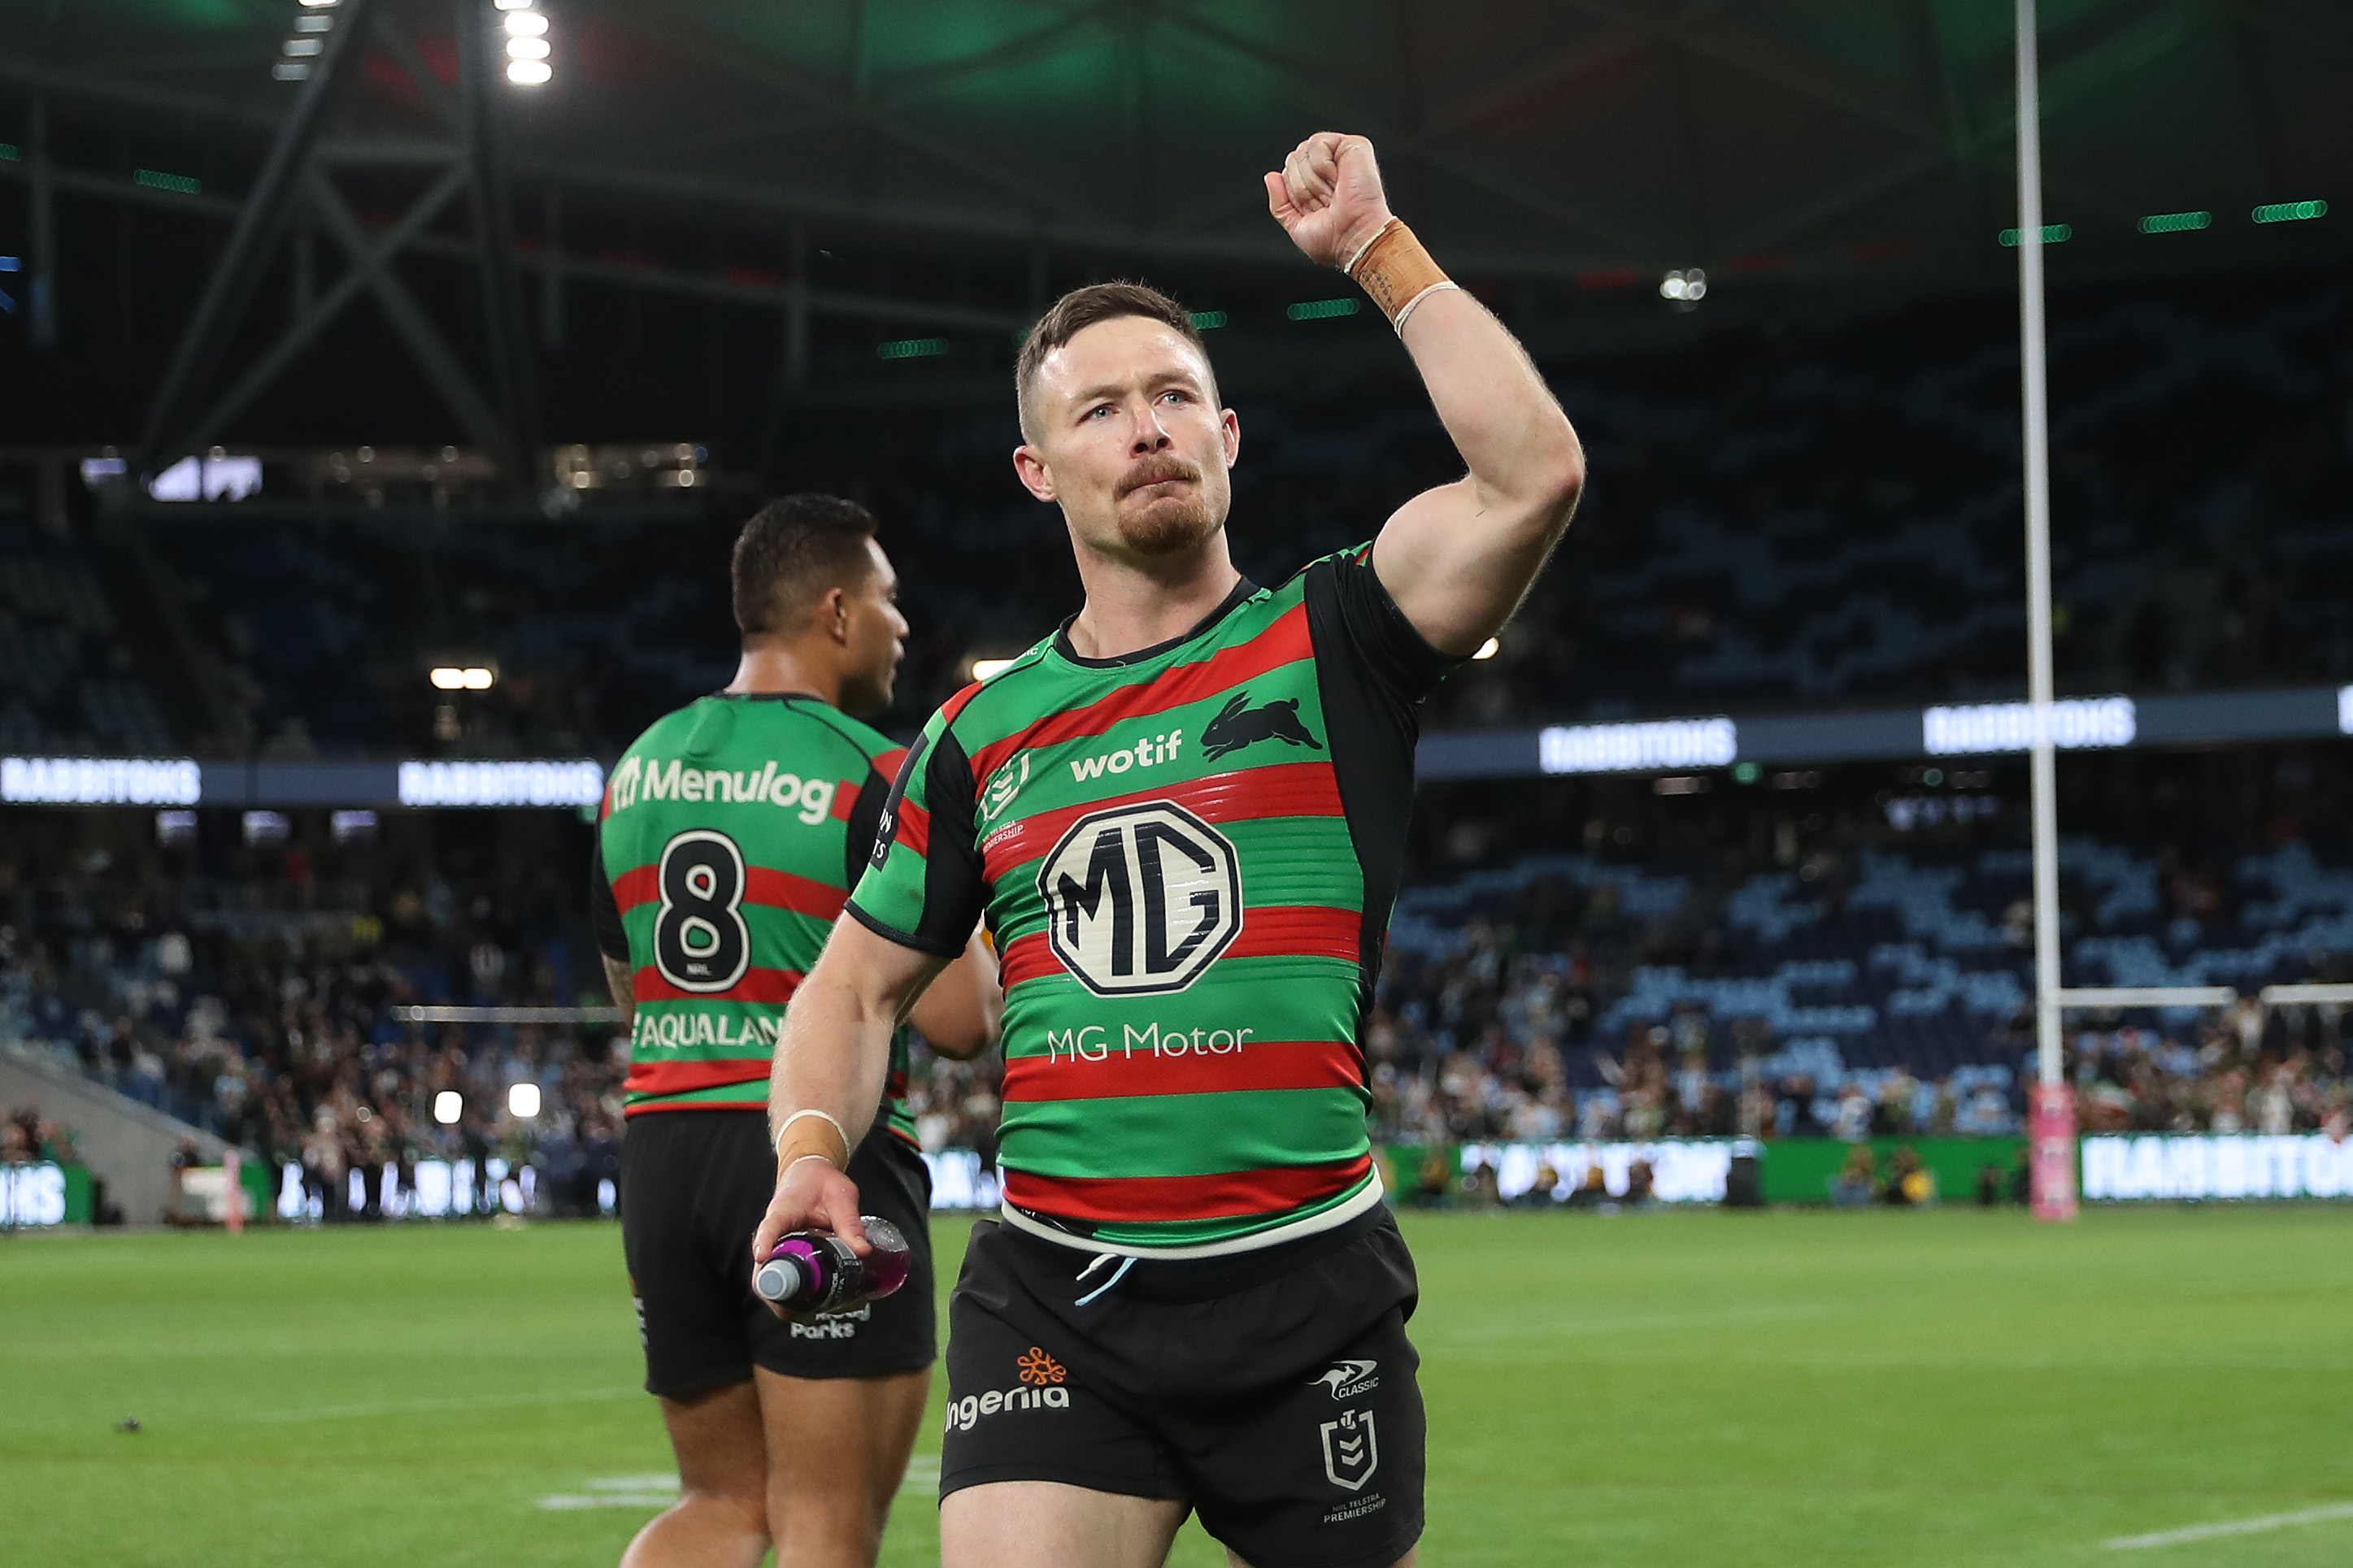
x=1039, y=1388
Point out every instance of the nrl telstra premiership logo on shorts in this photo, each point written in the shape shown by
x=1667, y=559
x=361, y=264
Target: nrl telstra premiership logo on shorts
x=1350, y=1378
x=1141, y=900
x=1351, y=1451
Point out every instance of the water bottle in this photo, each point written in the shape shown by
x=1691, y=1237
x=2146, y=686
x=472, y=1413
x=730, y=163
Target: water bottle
x=811, y=1272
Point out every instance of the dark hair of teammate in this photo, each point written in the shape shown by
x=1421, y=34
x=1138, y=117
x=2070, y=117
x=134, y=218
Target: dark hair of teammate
x=1079, y=308
x=791, y=551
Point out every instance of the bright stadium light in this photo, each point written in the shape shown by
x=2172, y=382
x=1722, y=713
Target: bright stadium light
x=529, y=73
x=527, y=23
x=1684, y=287
x=1489, y=649
x=983, y=668
x=447, y=1106
x=523, y=1099
x=453, y=677
x=526, y=49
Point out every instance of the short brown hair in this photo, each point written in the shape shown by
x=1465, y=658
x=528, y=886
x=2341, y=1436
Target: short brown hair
x=1079, y=308
x=791, y=551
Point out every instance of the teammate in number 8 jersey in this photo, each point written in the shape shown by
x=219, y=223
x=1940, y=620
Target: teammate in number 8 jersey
x=1183, y=818
x=730, y=833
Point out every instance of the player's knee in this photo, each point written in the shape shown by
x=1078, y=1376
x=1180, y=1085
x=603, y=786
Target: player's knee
x=745, y=1509
x=825, y=1527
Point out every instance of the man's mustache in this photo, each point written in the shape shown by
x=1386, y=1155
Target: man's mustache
x=1157, y=471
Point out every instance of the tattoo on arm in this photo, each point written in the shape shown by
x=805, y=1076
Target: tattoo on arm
x=623, y=985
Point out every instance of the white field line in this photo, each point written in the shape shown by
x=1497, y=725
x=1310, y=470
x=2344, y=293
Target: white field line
x=2235, y=1527
x=656, y=1493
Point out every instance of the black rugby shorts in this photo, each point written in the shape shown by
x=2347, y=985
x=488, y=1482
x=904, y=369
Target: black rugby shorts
x=693, y=1187
x=1274, y=1391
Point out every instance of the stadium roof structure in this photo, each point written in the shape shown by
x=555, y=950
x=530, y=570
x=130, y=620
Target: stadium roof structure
x=974, y=150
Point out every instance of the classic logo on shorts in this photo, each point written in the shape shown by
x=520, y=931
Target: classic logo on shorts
x=1140, y=901
x=1351, y=1452
x=1350, y=1378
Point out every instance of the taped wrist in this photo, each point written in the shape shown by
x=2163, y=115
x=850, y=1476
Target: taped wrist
x=811, y=1135
x=1393, y=268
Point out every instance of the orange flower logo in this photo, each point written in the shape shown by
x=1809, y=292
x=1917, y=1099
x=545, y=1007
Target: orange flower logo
x=1039, y=1368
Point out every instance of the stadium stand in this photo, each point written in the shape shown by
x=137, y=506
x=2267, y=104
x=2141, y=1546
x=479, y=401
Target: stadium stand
x=69, y=676
x=1879, y=989
x=1808, y=519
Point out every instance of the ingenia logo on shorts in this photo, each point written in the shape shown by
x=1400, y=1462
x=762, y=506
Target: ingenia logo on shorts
x=1040, y=1389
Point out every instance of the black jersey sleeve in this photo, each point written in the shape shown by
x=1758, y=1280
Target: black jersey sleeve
x=604, y=909
x=1372, y=670
x=1393, y=654
x=865, y=816
x=924, y=887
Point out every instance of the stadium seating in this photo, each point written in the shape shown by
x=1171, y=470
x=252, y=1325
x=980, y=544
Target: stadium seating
x=1770, y=522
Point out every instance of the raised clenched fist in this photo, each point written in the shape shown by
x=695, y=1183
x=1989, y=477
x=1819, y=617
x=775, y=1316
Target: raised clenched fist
x=1328, y=197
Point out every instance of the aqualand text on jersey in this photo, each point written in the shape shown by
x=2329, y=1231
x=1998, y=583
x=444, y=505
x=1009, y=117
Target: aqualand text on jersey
x=728, y=834
x=1187, y=859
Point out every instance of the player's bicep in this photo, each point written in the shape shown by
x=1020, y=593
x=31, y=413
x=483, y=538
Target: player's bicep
x=1458, y=560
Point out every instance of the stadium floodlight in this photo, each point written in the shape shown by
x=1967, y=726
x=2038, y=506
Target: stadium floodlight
x=2290, y=212
x=527, y=23
x=304, y=46
x=1489, y=649
x=529, y=73
x=447, y=1106
x=1685, y=286
x=454, y=678
x=983, y=668
x=527, y=48
x=523, y=1099
x=515, y=4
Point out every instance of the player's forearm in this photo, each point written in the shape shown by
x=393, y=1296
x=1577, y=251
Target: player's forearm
x=833, y=1056
x=1525, y=460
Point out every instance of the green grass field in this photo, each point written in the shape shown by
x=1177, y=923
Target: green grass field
x=1809, y=1390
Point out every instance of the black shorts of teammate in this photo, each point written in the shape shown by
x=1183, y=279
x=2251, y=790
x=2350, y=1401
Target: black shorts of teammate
x=1275, y=1392
x=693, y=1187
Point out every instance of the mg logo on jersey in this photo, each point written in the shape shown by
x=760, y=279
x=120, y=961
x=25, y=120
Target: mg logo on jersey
x=1351, y=1452
x=1141, y=900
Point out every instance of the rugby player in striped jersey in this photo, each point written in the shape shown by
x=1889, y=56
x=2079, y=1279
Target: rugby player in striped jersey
x=1183, y=818
x=729, y=833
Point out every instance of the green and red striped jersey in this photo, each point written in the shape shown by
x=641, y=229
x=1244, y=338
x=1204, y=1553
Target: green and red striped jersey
x=729, y=836
x=1186, y=857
